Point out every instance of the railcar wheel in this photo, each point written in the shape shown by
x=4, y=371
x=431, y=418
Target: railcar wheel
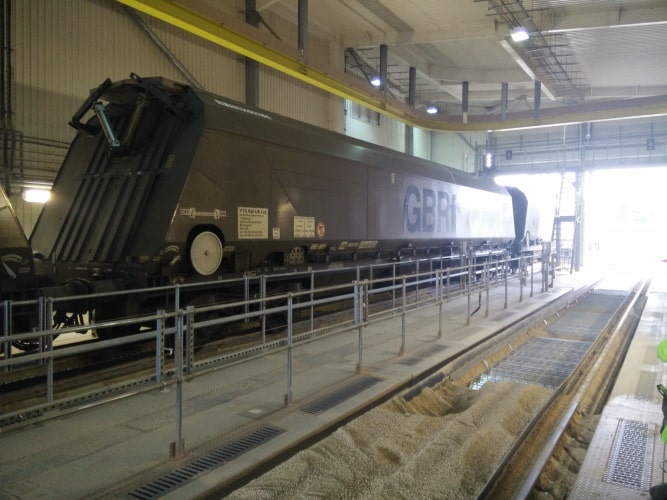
x=26, y=345
x=60, y=320
x=206, y=253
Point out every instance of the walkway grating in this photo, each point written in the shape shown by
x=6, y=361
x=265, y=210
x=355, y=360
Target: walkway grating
x=631, y=455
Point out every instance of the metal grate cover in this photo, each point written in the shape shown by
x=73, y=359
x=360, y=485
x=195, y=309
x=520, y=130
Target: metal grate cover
x=542, y=361
x=221, y=455
x=332, y=398
x=588, y=318
x=630, y=459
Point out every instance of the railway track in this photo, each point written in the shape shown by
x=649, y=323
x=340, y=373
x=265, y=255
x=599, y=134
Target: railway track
x=495, y=421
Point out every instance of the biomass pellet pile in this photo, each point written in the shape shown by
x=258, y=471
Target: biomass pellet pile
x=444, y=443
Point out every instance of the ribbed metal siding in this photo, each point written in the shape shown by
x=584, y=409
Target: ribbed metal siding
x=290, y=97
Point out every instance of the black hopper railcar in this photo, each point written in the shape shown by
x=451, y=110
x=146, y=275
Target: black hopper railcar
x=165, y=183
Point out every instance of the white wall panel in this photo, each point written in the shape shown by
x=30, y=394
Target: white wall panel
x=422, y=143
x=388, y=133
x=454, y=149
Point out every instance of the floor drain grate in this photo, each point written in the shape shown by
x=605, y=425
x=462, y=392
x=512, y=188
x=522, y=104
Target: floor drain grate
x=337, y=396
x=630, y=459
x=221, y=455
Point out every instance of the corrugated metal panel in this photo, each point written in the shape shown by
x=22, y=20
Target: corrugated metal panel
x=288, y=96
x=217, y=70
x=277, y=94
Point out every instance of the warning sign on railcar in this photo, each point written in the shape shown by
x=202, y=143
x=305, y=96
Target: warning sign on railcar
x=253, y=223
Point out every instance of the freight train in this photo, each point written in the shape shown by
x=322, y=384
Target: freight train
x=165, y=183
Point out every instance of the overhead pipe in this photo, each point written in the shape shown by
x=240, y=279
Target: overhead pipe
x=287, y=60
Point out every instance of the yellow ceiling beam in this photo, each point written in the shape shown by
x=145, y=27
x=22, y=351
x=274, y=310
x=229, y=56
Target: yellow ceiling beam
x=337, y=83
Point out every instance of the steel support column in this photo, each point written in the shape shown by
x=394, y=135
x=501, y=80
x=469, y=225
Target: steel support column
x=252, y=66
x=412, y=92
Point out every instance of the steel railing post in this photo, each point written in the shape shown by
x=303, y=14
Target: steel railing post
x=506, y=276
x=403, y=313
x=246, y=295
x=521, y=278
x=178, y=362
x=41, y=306
x=189, y=338
x=6, y=331
x=393, y=286
x=448, y=283
x=468, y=289
x=49, y=349
x=159, y=345
x=487, y=286
x=288, y=398
x=359, y=321
x=440, y=296
x=262, y=305
x=312, y=299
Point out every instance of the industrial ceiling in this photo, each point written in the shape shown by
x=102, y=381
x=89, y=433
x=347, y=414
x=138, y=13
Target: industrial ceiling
x=591, y=59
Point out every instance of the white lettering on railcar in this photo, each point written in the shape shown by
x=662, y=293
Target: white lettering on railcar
x=236, y=107
x=253, y=223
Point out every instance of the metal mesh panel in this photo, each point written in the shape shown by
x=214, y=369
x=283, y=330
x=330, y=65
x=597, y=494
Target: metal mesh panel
x=630, y=461
x=546, y=362
x=588, y=319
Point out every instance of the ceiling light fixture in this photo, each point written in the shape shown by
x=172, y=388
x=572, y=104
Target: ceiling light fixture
x=376, y=81
x=431, y=109
x=519, y=34
x=36, y=195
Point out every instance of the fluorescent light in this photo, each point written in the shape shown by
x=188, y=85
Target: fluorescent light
x=519, y=34
x=489, y=161
x=431, y=109
x=376, y=81
x=36, y=195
